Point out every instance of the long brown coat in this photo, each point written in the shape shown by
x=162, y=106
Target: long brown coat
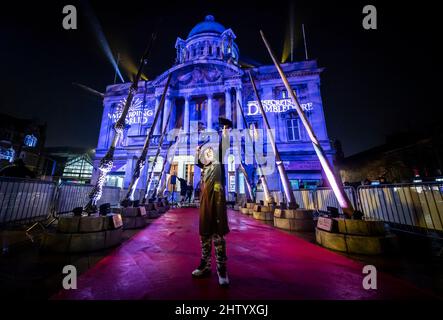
x=213, y=213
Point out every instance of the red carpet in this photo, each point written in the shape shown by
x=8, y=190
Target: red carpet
x=264, y=263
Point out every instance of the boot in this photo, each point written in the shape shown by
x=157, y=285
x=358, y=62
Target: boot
x=203, y=270
x=222, y=273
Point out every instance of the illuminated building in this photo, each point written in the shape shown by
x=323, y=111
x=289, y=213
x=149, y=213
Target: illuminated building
x=208, y=81
x=68, y=164
x=21, y=138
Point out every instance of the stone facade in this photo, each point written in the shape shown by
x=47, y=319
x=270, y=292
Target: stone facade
x=207, y=83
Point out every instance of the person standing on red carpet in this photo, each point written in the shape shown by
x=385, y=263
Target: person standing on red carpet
x=213, y=224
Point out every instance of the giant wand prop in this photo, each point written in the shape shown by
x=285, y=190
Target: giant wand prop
x=268, y=197
x=107, y=161
x=337, y=188
x=141, y=161
x=154, y=162
x=161, y=183
x=278, y=161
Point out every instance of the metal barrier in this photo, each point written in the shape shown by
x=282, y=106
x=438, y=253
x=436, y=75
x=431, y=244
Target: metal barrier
x=73, y=195
x=24, y=200
x=324, y=197
x=138, y=194
x=417, y=207
x=305, y=199
x=314, y=199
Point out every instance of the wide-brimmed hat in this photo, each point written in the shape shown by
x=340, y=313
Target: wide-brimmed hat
x=225, y=122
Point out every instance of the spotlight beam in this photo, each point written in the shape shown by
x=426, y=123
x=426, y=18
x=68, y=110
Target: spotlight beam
x=100, y=36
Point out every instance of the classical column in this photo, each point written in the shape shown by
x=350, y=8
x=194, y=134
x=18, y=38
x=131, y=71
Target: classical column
x=228, y=112
x=173, y=117
x=209, y=113
x=166, y=109
x=157, y=127
x=239, y=99
x=186, y=114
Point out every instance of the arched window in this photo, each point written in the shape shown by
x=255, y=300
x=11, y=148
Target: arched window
x=210, y=50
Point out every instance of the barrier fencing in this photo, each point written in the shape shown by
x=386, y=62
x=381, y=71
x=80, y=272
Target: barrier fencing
x=23, y=200
x=315, y=199
x=415, y=207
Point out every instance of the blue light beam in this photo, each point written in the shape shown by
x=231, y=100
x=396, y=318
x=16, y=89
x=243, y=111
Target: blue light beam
x=99, y=34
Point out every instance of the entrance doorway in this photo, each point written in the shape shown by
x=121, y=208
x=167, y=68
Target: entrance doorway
x=174, y=170
x=189, y=174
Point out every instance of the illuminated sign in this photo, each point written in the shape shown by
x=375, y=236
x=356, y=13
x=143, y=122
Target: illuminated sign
x=276, y=106
x=137, y=114
x=7, y=154
x=30, y=140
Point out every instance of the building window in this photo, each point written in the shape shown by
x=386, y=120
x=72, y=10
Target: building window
x=293, y=129
x=210, y=50
x=78, y=168
x=284, y=94
x=218, y=51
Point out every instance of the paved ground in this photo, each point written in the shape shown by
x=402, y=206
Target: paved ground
x=264, y=263
x=27, y=273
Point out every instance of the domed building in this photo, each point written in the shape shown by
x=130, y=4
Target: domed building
x=207, y=82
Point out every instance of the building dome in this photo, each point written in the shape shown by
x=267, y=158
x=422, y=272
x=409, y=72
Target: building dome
x=207, y=26
x=208, y=40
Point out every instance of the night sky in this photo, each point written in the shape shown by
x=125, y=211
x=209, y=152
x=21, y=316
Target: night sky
x=375, y=83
